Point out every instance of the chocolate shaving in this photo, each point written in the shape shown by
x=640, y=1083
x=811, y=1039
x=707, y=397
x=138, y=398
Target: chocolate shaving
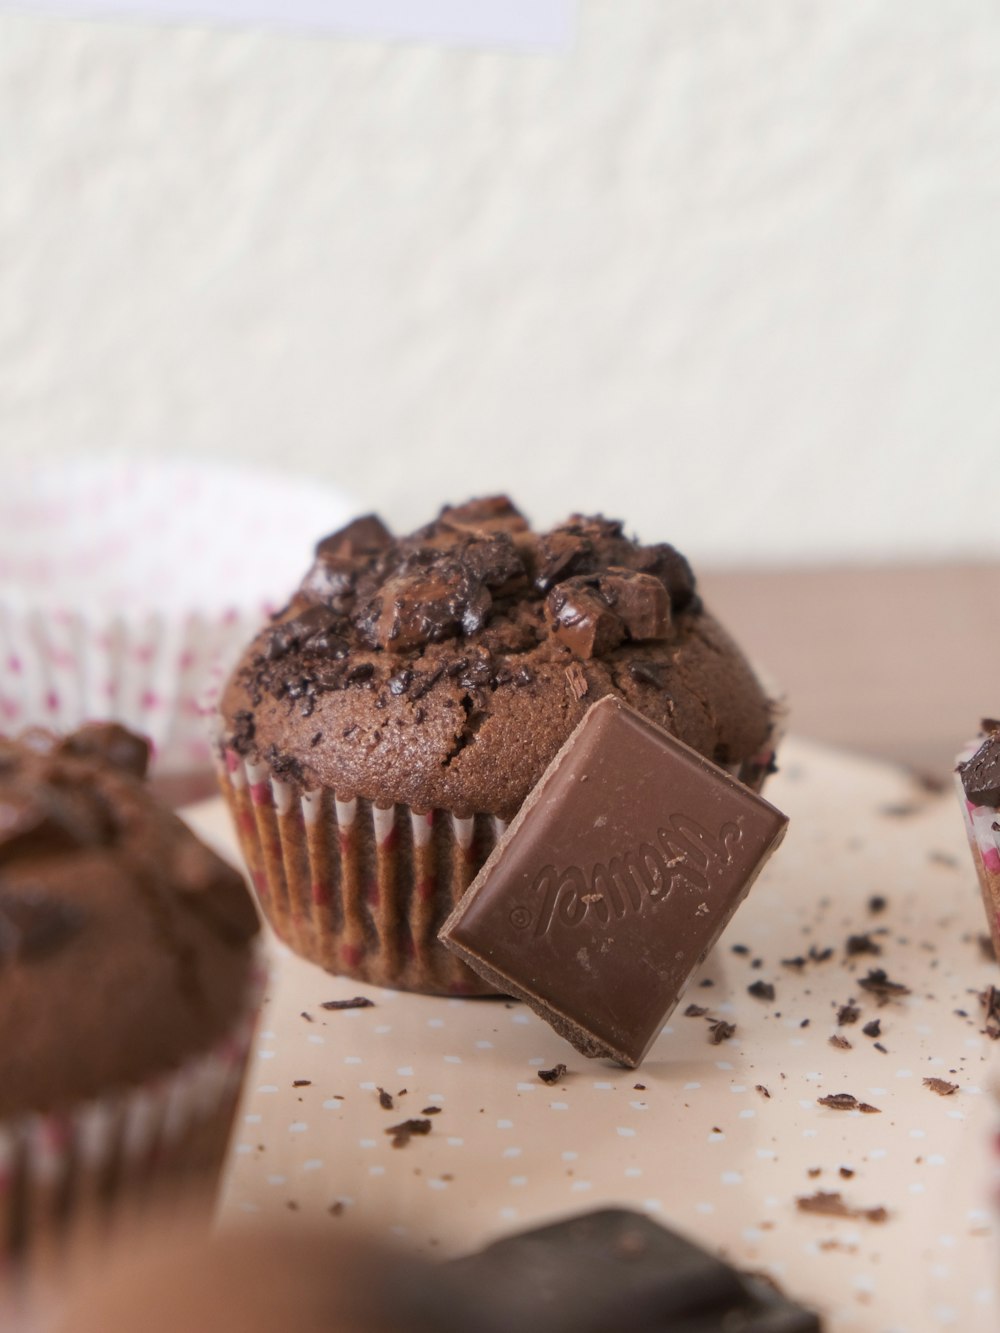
x=762, y=1090
x=577, y=678
x=878, y=984
x=847, y=1013
x=941, y=1086
x=406, y=1130
x=831, y=1203
x=358, y=1002
x=861, y=944
x=846, y=1101
x=761, y=990
x=552, y=1075
x=841, y=1043
x=720, y=1031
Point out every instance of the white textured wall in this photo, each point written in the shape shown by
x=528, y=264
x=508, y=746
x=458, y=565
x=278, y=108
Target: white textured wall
x=731, y=270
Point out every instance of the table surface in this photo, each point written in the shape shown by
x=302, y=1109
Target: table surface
x=692, y=1137
x=895, y=662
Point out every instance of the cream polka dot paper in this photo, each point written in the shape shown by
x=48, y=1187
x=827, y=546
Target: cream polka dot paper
x=872, y=890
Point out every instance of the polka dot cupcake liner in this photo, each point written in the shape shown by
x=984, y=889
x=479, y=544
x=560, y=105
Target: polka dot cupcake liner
x=363, y=889
x=982, y=827
x=358, y=888
x=128, y=589
x=71, y=1181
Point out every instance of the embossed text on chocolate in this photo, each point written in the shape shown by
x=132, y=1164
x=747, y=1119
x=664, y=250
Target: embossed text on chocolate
x=683, y=852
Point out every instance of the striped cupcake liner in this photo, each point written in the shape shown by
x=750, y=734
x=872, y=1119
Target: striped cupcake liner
x=363, y=889
x=358, y=888
x=71, y=1181
x=982, y=827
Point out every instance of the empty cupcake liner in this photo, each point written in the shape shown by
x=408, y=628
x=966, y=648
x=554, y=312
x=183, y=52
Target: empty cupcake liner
x=71, y=1180
x=982, y=827
x=128, y=589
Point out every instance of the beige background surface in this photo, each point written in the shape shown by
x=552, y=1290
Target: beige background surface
x=689, y=1137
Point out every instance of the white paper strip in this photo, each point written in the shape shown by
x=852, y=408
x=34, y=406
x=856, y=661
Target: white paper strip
x=540, y=25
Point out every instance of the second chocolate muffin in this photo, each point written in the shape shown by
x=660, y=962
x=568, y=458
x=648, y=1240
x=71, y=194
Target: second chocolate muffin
x=381, y=732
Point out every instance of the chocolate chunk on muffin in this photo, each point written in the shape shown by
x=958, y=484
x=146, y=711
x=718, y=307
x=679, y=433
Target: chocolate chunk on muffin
x=382, y=731
x=977, y=777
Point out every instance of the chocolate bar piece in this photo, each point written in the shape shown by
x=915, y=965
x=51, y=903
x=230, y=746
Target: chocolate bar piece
x=614, y=880
x=606, y=1271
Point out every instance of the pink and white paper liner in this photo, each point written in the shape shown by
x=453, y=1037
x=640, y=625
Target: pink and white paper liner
x=982, y=827
x=358, y=888
x=128, y=589
x=70, y=1179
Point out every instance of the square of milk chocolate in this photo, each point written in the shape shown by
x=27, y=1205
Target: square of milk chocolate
x=613, y=882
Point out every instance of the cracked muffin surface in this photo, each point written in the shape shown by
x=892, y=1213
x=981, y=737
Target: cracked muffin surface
x=445, y=669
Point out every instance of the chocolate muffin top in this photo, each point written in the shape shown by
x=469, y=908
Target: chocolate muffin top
x=123, y=939
x=446, y=668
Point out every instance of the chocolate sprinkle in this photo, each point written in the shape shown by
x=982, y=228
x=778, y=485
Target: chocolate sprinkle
x=552, y=1075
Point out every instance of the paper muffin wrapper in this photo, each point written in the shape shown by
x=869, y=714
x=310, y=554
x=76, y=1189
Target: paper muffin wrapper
x=128, y=588
x=982, y=827
x=358, y=888
x=71, y=1180
x=363, y=889
x=62, y=669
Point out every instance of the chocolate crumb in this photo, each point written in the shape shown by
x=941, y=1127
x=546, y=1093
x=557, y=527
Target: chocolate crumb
x=819, y=955
x=431, y=1110
x=941, y=1086
x=761, y=990
x=841, y=1043
x=990, y=1000
x=845, y=1173
x=813, y=1171
x=762, y=1090
x=336, y=1209
x=832, y=1204
x=867, y=1109
x=577, y=678
x=721, y=1031
x=847, y=1013
x=406, y=1130
x=877, y=904
x=840, y=1101
x=695, y=1011
x=797, y=962
x=740, y=948
x=307, y=1017
x=880, y=1047
x=385, y=1100
x=861, y=944
x=878, y=984
x=552, y=1075
x=358, y=1002
x=639, y=1087
x=873, y=1029
x=302, y=1083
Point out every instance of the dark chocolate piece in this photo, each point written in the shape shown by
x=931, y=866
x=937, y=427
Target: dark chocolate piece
x=981, y=774
x=611, y=1270
x=613, y=882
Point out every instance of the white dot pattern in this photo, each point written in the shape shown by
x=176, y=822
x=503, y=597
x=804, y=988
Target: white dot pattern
x=719, y=1143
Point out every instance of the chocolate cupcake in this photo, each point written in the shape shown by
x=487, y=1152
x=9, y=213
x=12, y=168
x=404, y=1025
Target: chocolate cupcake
x=381, y=733
x=128, y=983
x=978, y=778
